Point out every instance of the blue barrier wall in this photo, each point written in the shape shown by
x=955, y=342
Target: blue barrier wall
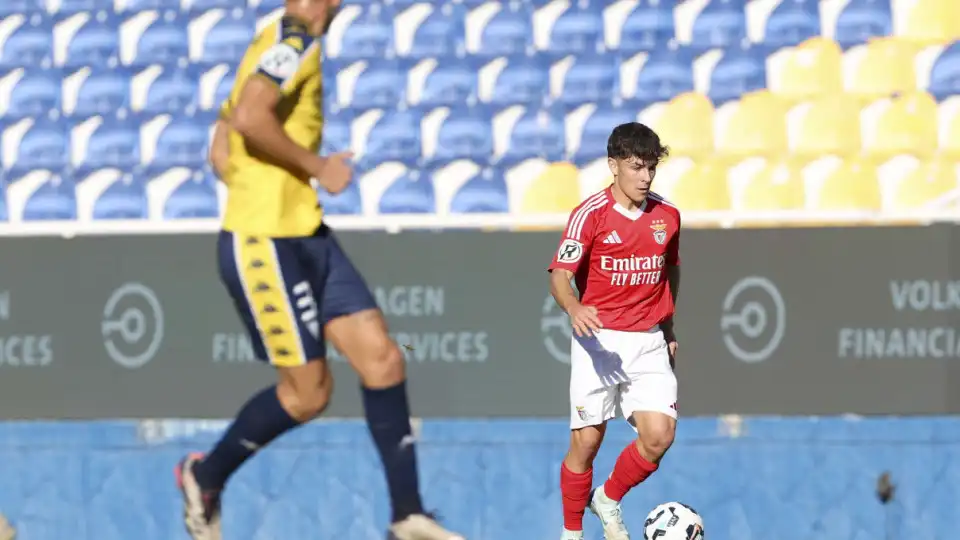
x=755, y=479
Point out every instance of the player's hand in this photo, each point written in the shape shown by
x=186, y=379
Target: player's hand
x=585, y=320
x=672, y=351
x=337, y=172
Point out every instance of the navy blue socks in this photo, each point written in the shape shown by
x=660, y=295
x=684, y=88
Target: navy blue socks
x=260, y=421
x=388, y=417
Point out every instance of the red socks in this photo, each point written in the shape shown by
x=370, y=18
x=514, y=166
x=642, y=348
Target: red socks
x=630, y=470
x=575, y=490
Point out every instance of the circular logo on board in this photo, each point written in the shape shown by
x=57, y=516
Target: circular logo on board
x=753, y=320
x=132, y=325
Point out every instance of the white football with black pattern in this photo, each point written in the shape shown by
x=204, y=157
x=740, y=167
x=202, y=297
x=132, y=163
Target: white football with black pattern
x=673, y=521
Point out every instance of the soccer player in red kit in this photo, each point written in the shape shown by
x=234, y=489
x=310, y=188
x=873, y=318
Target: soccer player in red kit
x=621, y=247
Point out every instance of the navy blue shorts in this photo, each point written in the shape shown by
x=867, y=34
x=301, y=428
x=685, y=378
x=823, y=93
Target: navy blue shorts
x=287, y=289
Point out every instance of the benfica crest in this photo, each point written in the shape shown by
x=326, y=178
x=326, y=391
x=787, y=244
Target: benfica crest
x=659, y=231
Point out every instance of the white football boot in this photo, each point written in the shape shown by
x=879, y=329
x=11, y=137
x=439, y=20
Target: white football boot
x=421, y=527
x=201, y=510
x=571, y=535
x=6, y=530
x=608, y=511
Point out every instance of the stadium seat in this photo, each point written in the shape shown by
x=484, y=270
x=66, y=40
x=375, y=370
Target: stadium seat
x=442, y=82
x=87, y=39
x=809, y=70
x=147, y=5
x=43, y=195
x=685, y=123
x=556, y=190
x=452, y=134
x=194, y=198
x=337, y=134
x=100, y=142
x=658, y=75
x=861, y=20
x=158, y=90
x=949, y=127
x=366, y=84
x=740, y=70
x=882, y=67
x=203, y=5
x=88, y=91
x=755, y=125
x=562, y=27
x=513, y=80
x=390, y=136
x=221, y=36
x=65, y=7
x=495, y=29
x=361, y=32
x=693, y=185
x=904, y=124
x=944, y=74
x=25, y=41
x=826, y=125
x=758, y=184
x=170, y=141
x=346, y=203
x=834, y=184
x=430, y=30
x=588, y=128
x=411, y=193
x=719, y=23
x=374, y=182
x=29, y=92
x=123, y=197
x=648, y=25
x=926, y=21
x=153, y=37
x=483, y=191
x=790, y=23
x=531, y=133
x=910, y=183
x=586, y=78
x=4, y=213
x=22, y=7
x=35, y=143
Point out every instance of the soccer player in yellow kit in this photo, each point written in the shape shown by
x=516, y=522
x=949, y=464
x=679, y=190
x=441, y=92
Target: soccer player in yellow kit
x=291, y=282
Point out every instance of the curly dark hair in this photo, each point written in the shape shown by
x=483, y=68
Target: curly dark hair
x=635, y=140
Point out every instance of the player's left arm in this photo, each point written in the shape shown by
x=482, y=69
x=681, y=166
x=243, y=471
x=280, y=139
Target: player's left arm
x=220, y=148
x=673, y=281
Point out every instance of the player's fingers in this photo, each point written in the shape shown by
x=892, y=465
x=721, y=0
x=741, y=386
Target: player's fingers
x=594, y=320
x=344, y=155
x=577, y=329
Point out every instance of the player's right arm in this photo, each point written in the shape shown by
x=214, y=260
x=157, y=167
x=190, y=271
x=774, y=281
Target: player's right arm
x=571, y=256
x=220, y=148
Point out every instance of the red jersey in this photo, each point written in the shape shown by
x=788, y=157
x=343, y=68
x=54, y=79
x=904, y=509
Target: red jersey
x=619, y=258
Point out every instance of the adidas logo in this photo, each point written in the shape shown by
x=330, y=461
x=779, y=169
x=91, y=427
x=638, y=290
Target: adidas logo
x=613, y=238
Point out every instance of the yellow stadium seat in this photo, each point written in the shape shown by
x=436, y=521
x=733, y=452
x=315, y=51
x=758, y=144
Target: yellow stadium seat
x=905, y=124
x=693, y=185
x=808, y=70
x=834, y=184
x=880, y=68
x=755, y=125
x=910, y=183
x=826, y=125
x=685, y=123
x=948, y=124
x=555, y=191
x=927, y=21
x=758, y=184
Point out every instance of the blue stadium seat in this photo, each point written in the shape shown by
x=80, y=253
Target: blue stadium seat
x=370, y=34
x=649, y=26
x=163, y=41
x=22, y=7
x=224, y=88
x=195, y=198
x=98, y=91
x=96, y=42
x=44, y=145
x=591, y=78
x=508, y=32
x=55, y=199
x=484, y=193
x=412, y=193
x=792, y=22
x=173, y=90
x=108, y=142
x=36, y=92
x=376, y=84
x=666, y=73
x=4, y=213
x=81, y=6
x=538, y=133
x=861, y=20
x=202, y=5
x=595, y=131
x=184, y=141
x=29, y=45
x=465, y=134
x=125, y=198
x=579, y=29
x=346, y=203
x=450, y=81
x=395, y=137
x=740, y=70
x=524, y=80
x=945, y=74
x=336, y=133
x=442, y=33
x=721, y=23
x=146, y=5
x=229, y=38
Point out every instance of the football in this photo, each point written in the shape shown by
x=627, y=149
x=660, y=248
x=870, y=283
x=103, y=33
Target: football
x=673, y=521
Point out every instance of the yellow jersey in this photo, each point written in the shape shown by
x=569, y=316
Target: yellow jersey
x=264, y=198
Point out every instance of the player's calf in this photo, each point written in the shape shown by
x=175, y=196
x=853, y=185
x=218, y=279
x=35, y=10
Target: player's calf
x=305, y=391
x=641, y=458
x=576, y=477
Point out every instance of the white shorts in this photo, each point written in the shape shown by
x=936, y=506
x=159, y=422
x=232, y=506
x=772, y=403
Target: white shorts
x=621, y=373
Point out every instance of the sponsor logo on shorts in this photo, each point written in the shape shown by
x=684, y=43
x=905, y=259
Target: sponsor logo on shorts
x=753, y=320
x=582, y=413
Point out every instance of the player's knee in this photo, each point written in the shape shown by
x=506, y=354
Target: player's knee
x=584, y=445
x=383, y=365
x=306, y=393
x=656, y=440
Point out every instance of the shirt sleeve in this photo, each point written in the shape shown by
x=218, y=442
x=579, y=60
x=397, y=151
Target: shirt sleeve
x=576, y=242
x=283, y=61
x=673, y=248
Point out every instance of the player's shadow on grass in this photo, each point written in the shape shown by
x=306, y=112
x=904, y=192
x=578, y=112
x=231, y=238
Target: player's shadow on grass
x=607, y=364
